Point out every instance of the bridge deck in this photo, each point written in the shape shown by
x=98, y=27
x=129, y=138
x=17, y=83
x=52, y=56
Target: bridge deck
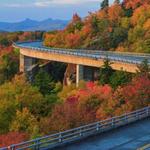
x=122, y=57
x=130, y=137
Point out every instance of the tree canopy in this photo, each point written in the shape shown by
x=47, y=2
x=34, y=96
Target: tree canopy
x=122, y=26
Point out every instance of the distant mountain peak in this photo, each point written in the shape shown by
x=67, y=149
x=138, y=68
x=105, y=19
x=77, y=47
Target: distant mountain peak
x=28, y=20
x=49, y=19
x=33, y=25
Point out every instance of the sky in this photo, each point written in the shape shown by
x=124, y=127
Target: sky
x=18, y=10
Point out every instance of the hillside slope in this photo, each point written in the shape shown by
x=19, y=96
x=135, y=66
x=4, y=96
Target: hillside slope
x=120, y=27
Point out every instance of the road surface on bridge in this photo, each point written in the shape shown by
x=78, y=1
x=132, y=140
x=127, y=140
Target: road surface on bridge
x=122, y=57
x=129, y=137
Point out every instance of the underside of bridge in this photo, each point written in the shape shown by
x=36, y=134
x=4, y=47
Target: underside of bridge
x=86, y=73
x=75, y=75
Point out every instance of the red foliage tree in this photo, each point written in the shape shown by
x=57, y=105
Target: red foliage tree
x=69, y=115
x=125, y=99
x=133, y=96
x=12, y=138
x=73, y=40
x=6, y=50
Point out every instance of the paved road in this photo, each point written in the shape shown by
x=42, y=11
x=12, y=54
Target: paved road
x=123, y=57
x=129, y=137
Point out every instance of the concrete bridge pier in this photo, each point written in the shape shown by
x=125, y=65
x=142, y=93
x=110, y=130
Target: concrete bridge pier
x=26, y=63
x=86, y=73
x=79, y=74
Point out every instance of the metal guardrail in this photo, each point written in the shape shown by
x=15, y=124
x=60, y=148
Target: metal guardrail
x=55, y=140
x=113, y=56
x=89, y=51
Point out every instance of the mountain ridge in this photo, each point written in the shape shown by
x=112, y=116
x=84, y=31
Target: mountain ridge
x=34, y=25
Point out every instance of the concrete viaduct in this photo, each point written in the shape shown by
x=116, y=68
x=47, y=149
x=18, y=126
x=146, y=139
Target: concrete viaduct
x=30, y=51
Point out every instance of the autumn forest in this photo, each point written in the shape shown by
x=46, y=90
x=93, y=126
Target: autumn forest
x=46, y=105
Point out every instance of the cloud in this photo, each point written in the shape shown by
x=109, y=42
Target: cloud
x=17, y=5
x=46, y=3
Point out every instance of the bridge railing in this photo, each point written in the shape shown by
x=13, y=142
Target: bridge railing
x=88, y=50
x=58, y=139
x=113, y=56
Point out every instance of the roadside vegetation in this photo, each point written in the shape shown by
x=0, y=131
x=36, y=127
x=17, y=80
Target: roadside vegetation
x=45, y=106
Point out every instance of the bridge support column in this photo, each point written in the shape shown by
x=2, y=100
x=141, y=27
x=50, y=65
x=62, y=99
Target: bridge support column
x=26, y=63
x=22, y=63
x=79, y=74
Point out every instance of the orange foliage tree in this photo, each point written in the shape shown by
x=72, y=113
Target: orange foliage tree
x=73, y=40
x=115, y=12
x=135, y=3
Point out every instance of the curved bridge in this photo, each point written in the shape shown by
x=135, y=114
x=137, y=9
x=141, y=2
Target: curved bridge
x=31, y=50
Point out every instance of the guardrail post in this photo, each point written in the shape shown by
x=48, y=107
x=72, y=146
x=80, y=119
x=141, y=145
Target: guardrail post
x=80, y=132
x=147, y=110
x=113, y=122
x=126, y=118
x=137, y=115
x=97, y=126
x=60, y=137
x=37, y=146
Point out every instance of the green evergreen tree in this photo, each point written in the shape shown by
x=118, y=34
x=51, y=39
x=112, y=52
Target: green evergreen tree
x=119, y=78
x=117, y=2
x=104, y=4
x=4, y=41
x=44, y=82
x=105, y=72
x=144, y=68
x=117, y=36
x=95, y=25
